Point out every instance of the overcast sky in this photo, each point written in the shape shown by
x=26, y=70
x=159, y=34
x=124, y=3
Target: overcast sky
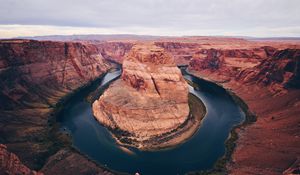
x=262, y=18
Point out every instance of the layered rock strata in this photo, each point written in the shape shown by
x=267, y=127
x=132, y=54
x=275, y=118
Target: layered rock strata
x=271, y=90
x=269, y=146
x=150, y=100
x=34, y=77
x=114, y=51
x=266, y=76
x=11, y=164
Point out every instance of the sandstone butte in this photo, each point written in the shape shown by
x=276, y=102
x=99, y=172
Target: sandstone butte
x=149, y=104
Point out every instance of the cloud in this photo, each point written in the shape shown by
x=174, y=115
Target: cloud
x=180, y=17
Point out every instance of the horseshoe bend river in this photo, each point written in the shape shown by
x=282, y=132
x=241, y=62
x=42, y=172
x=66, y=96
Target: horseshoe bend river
x=198, y=153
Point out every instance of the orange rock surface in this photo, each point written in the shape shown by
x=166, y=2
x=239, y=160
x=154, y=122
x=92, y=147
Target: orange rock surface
x=151, y=99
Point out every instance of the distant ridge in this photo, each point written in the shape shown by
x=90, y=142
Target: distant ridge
x=275, y=38
x=106, y=37
x=98, y=37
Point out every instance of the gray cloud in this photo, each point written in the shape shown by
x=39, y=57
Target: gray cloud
x=180, y=15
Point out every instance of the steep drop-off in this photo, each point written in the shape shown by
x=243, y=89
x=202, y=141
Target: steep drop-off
x=115, y=51
x=34, y=77
x=266, y=76
x=270, y=87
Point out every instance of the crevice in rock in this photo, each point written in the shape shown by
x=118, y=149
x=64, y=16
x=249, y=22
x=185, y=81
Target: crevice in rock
x=66, y=47
x=76, y=67
x=156, y=88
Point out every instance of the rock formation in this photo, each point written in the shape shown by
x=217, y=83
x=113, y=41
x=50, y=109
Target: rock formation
x=34, y=77
x=281, y=68
x=41, y=72
x=266, y=76
x=181, y=51
x=11, y=164
x=115, y=51
x=213, y=59
x=150, y=100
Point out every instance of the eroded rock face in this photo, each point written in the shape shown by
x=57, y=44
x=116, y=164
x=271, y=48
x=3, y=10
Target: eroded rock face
x=181, y=51
x=34, y=77
x=11, y=164
x=281, y=69
x=149, y=100
x=115, y=51
x=208, y=59
x=34, y=71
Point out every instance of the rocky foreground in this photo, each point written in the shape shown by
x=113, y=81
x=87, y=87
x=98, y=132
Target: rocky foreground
x=149, y=103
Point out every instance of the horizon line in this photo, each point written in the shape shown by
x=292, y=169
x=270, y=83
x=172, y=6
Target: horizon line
x=154, y=36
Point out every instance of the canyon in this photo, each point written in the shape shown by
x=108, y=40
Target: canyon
x=37, y=76
x=142, y=104
x=266, y=76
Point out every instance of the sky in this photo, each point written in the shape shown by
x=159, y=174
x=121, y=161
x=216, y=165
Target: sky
x=257, y=18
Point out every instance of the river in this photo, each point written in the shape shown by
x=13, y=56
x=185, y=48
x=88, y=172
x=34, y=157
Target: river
x=200, y=152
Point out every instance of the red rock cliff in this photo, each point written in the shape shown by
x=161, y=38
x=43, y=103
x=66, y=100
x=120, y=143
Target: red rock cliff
x=34, y=76
x=282, y=68
x=43, y=72
x=115, y=51
x=10, y=164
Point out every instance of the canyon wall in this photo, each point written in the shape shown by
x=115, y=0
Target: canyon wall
x=36, y=74
x=263, y=63
x=275, y=69
x=266, y=77
x=282, y=67
x=115, y=51
x=10, y=164
x=34, y=77
x=182, y=52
